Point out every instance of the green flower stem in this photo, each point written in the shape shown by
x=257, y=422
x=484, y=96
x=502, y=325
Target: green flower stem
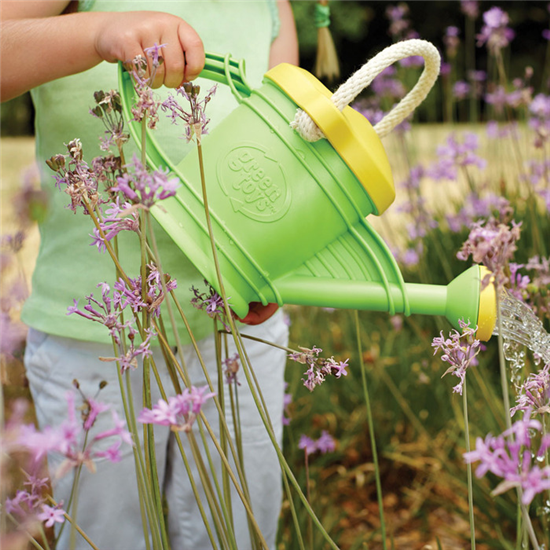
x=218, y=506
x=223, y=435
x=73, y=498
x=148, y=429
x=245, y=501
x=282, y=461
x=469, y=468
x=71, y=520
x=107, y=243
x=30, y=538
x=195, y=491
x=246, y=370
x=240, y=471
x=293, y=512
x=198, y=459
x=371, y=430
x=308, y=496
x=141, y=471
x=44, y=537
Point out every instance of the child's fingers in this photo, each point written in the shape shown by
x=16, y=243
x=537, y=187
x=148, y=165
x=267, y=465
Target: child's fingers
x=193, y=49
x=173, y=67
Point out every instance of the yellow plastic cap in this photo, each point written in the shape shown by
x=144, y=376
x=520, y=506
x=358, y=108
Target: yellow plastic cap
x=487, y=315
x=348, y=131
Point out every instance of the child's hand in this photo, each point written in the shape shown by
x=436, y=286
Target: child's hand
x=258, y=313
x=125, y=35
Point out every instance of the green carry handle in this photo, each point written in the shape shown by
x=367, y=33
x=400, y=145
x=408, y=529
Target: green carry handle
x=288, y=215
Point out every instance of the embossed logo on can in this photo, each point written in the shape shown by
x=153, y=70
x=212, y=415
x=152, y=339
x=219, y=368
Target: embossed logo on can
x=254, y=182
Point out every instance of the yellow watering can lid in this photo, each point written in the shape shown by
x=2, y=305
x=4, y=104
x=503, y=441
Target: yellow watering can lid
x=348, y=131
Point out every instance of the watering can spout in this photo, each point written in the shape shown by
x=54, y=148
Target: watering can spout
x=461, y=299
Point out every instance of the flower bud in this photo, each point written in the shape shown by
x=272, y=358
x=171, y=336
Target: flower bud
x=56, y=163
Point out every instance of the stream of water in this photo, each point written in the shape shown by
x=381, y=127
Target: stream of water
x=521, y=329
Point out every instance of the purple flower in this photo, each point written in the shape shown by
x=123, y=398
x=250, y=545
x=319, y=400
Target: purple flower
x=458, y=152
x=387, y=85
x=307, y=444
x=325, y=444
x=493, y=244
x=478, y=207
x=67, y=438
x=534, y=393
x=319, y=368
x=495, y=32
x=231, y=365
x=503, y=457
x=461, y=90
x=139, y=186
x=51, y=515
x=451, y=40
x=399, y=23
x=147, y=105
x=195, y=121
x=540, y=119
x=114, y=222
x=459, y=351
x=209, y=301
x=179, y=412
x=109, y=110
x=75, y=177
x=546, y=34
x=470, y=8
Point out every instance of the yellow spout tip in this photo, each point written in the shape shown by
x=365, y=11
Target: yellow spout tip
x=487, y=315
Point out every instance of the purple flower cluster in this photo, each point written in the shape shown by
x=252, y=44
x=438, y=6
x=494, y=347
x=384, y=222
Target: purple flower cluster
x=510, y=456
x=109, y=110
x=75, y=177
x=460, y=351
x=478, y=207
x=534, y=393
x=195, y=121
x=386, y=85
x=319, y=367
x=461, y=90
x=108, y=312
x=325, y=444
x=492, y=244
x=140, y=187
x=495, y=33
x=113, y=222
x=147, y=105
x=210, y=301
x=540, y=118
x=179, y=412
x=67, y=438
x=399, y=21
x=458, y=152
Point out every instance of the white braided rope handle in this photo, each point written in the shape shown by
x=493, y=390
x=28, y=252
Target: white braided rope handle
x=358, y=81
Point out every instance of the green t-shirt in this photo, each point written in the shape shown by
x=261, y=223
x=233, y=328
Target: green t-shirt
x=68, y=267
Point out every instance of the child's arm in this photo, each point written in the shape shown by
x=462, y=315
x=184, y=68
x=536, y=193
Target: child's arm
x=285, y=47
x=38, y=44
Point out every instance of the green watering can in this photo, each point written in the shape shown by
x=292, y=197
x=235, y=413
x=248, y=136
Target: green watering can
x=289, y=213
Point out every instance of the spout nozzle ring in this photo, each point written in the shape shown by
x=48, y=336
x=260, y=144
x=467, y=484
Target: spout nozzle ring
x=487, y=315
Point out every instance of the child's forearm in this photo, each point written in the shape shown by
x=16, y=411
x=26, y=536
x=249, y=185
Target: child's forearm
x=35, y=51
